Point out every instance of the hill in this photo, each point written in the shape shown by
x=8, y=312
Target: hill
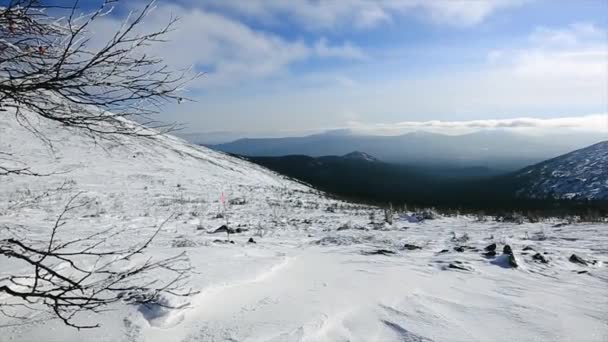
x=317, y=270
x=578, y=175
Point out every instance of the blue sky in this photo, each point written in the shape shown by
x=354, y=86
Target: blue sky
x=387, y=66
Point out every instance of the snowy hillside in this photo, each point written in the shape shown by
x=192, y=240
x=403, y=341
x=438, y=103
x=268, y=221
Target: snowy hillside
x=319, y=270
x=582, y=174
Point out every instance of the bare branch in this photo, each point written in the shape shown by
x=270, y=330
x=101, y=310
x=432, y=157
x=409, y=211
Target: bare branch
x=92, y=275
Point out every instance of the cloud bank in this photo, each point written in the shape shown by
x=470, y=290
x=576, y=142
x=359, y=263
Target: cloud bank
x=596, y=123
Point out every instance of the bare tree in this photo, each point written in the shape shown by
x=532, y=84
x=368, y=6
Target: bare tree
x=94, y=273
x=50, y=68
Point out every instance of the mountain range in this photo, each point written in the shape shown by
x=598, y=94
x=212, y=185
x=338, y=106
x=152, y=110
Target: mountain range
x=581, y=175
x=498, y=150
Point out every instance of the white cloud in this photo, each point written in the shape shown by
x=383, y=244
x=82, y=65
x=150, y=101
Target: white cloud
x=346, y=50
x=228, y=50
x=330, y=14
x=575, y=56
x=597, y=123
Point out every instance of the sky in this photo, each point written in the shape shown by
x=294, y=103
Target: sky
x=274, y=67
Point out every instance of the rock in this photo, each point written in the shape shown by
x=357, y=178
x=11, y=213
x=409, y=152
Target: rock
x=512, y=261
x=505, y=261
x=582, y=272
x=491, y=248
x=457, y=265
x=251, y=240
x=528, y=248
x=223, y=241
x=459, y=249
x=237, y=201
x=540, y=257
x=379, y=252
x=507, y=250
x=577, y=260
x=344, y=227
x=443, y=251
x=463, y=238
x=411, y=247
x=182, y=243
x=490, y=254
x=221, y=229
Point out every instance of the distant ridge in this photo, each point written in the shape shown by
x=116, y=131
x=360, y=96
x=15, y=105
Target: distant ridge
x=499, y=150
x=358, y=155
x=579, y=175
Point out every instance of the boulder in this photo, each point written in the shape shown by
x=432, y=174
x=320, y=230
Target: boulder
x=512, y=261
x=578, y=260
x=491, y=248
x=251, y=240
x=379, y=252
x=411, y=247
x=458, y=266
x=489, y=254
x=222, y=229
x=540, y=258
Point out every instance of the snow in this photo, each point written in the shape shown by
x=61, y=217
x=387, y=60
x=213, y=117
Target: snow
x=312, y=274
x=581, y=174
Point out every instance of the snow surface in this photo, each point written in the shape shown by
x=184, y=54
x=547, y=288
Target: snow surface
x=582, y=174
x=313, y=274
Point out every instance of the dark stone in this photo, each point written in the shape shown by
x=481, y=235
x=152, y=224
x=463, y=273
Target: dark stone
x=582, y=272
x=529, y=248
x=577, y=260
x=443, y=251
x=458, y=266
x=540, y=257
x=491, y=248
x=411, y=247
x=251, y=240
x=507, y=250
x=459, y=249
x=512, y=261
x=222, y=229
x=380, y=252
x=344, y=227
x=490, y=254
x=222, y=241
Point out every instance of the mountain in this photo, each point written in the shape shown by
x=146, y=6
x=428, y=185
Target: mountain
x=357, y=155
x=498, y=149
x=360, y=176
x=581, y=175
x=560, y=182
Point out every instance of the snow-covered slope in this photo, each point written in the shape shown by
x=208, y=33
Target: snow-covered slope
x=321, y=270
x=582, y=174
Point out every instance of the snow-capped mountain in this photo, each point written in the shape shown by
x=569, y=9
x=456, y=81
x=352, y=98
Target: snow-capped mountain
x=582, y=174
x=318, y=269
